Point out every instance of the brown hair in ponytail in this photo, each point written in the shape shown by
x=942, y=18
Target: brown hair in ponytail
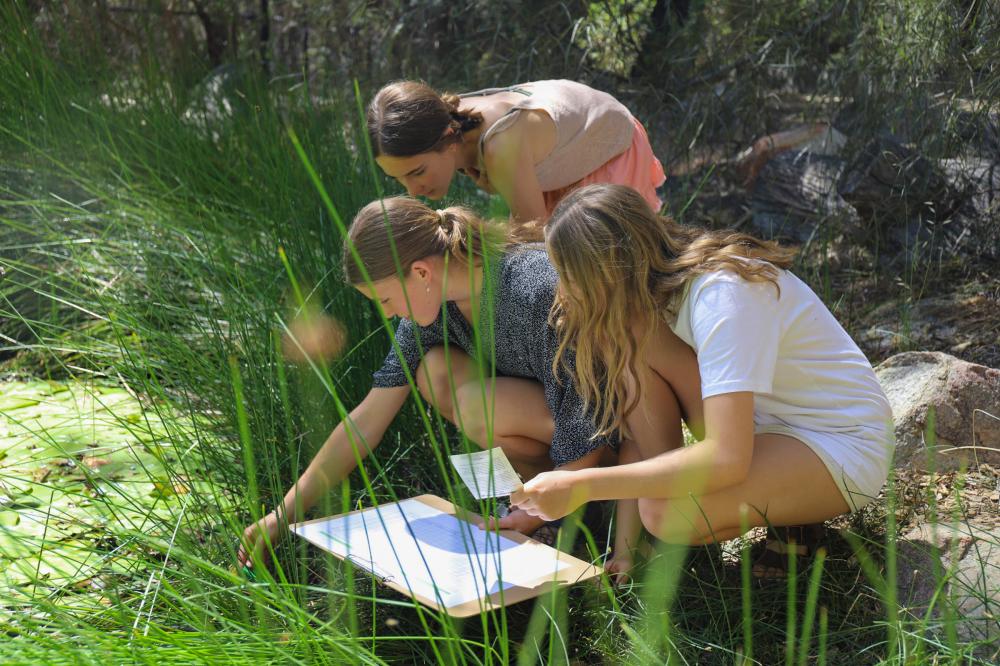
x=417, y=232
x=406, y=118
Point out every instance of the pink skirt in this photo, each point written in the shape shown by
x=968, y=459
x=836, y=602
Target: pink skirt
x=637, y=167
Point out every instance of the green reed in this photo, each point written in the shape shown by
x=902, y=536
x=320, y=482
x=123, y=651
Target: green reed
x=167, y=257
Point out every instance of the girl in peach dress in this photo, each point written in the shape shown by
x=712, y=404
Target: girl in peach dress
x=531, y=143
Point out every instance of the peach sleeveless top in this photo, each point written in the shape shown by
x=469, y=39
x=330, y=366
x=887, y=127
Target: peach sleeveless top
x=592, y=127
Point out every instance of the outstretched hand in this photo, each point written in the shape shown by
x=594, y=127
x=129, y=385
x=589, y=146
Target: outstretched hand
x=254, y=542
x=550, y=495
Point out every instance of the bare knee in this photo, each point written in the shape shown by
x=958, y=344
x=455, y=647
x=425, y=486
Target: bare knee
x=470, y=412
x=655, y=423
x=665, y=520
x=434, y=381
x=651, y=515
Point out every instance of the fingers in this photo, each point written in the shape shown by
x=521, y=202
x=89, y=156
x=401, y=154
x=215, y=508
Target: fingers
x=526, y=493
x=244, y=546
x=247, y=548
x=529, y=507
x=526, y=504
x=512, y=521
x=618, y=571
x=256, y=542
x=241, y=550
x=518, y=496
x=254, y=552
x=525, y=498
x=506, y=523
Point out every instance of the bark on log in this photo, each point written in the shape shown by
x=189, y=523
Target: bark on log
x=889, y=192
x=975, y=225
x=749, y=162
x=797, y=191
x=889, y=181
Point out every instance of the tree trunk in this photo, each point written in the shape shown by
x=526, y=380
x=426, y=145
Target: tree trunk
x=264, y=37
x=665, y=17
x=665, y=11
x=217, y=35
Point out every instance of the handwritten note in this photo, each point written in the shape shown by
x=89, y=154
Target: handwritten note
x=487, y=473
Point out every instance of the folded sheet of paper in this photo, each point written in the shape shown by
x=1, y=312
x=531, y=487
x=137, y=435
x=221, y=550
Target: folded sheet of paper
x=431, y=553
x=487, y=473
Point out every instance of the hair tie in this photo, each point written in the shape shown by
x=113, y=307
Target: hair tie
x=441, y=216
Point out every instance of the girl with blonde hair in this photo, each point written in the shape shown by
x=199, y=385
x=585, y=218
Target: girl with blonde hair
x=475, y=336
x=531, y=143
x=797, y=428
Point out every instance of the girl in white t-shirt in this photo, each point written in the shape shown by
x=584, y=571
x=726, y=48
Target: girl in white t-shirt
x=797, y=428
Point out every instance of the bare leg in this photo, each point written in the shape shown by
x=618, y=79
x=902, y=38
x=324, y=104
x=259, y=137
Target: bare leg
x=511, y=414
x=770, y=493
x=654, y=427
x=515, y=413
x=655, y=423
x=628, y=527
x=513, y=409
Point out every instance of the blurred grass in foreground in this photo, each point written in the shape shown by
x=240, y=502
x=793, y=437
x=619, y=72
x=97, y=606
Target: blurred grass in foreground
x=152, y=251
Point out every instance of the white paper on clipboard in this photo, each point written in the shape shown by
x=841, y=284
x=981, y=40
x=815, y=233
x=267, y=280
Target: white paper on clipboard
x=431, y=553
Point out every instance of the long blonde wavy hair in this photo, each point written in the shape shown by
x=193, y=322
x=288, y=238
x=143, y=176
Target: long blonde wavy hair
x=621, y=266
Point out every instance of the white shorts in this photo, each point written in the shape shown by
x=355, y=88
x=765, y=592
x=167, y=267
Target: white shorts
x=858, y=460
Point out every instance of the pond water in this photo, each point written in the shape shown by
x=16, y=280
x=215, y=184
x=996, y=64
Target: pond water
x=87, y=473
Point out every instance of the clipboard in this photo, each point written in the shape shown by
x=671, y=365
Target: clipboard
x=532, y=568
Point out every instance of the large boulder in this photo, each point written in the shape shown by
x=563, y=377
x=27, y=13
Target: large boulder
x=964, y=398
x=952, y=571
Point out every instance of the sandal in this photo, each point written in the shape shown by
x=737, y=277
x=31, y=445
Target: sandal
x=548, y=533
x=771, y=563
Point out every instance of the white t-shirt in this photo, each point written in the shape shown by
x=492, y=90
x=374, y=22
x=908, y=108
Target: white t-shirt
x=790, y=351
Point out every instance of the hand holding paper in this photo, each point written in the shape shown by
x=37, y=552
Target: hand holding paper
x=550, y=495
x=487, y=473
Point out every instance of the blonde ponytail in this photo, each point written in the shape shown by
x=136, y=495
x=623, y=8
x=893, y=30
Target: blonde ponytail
x=405, y=229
